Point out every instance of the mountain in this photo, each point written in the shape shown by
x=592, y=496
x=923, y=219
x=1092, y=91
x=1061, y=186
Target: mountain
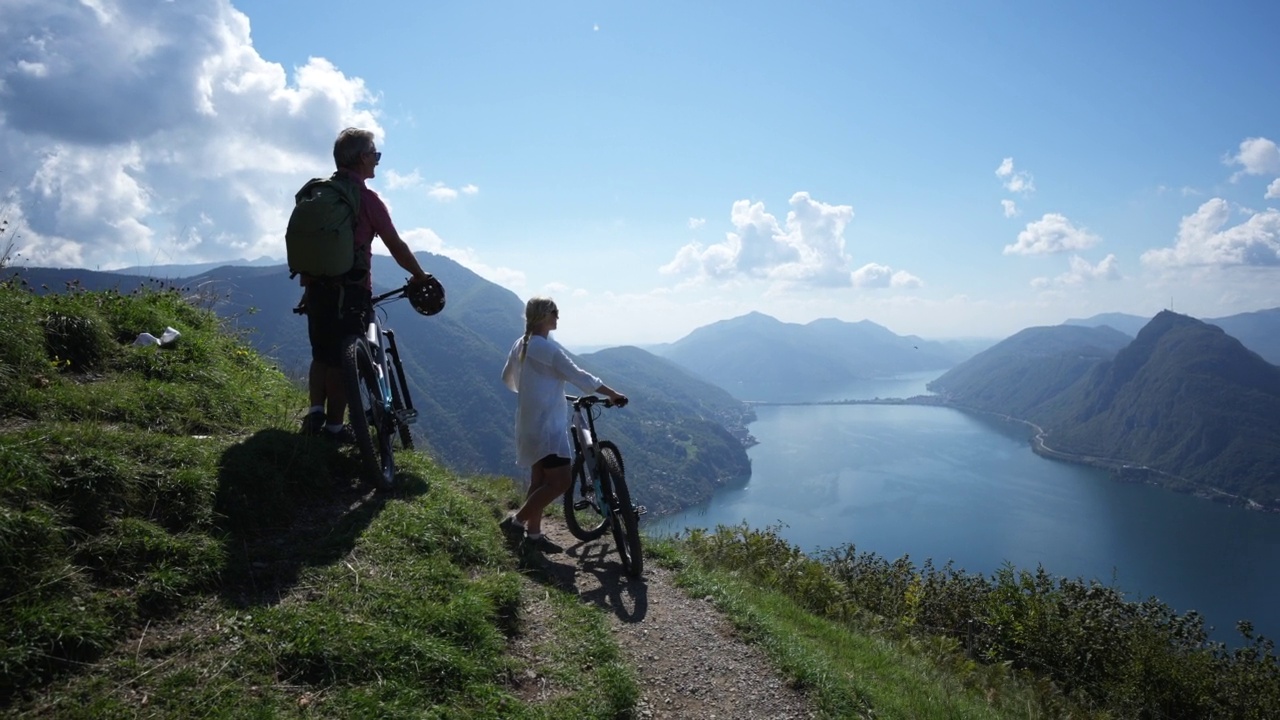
x=1125, y=323
x=1018, y=374
x=1184, y=404
x=1259, y=330
x=681, y=437
x=1185, y=399
x=756, y=357
x=185, y=271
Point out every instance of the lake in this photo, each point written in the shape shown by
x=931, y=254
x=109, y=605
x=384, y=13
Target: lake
x=933, y=482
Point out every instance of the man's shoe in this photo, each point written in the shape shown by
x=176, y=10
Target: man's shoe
x=542, y=544
x=313, y=423
x=341, y=436
x=511, y=530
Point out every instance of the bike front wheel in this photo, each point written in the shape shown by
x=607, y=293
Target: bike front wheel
x=582, y=514
x=370, y=423
x=397, y=412
x=624, y=521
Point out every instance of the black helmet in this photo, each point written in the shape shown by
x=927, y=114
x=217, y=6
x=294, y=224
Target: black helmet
x=427, y=297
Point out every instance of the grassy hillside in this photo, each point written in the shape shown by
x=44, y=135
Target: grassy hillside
x=171, y=547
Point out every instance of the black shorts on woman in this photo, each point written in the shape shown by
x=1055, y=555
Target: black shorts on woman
x=552, y=462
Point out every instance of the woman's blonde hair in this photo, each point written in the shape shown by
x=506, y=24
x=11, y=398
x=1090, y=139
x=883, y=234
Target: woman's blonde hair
x=536, y=311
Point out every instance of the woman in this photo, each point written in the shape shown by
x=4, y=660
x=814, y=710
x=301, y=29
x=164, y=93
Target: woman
x=537, y=369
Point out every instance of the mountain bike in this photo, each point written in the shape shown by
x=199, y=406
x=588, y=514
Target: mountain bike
x=378, y=402
x=598, y=498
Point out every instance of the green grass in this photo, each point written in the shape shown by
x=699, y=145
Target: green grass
x=170, y=546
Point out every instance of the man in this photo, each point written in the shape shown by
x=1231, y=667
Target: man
x=337, y=309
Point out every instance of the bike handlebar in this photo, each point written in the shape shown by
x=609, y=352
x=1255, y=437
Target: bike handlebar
x=589, y=400
x=390, y=294
x=301, y=308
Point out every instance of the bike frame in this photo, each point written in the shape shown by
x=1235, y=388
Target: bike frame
x=583, y=425
x=386, y=359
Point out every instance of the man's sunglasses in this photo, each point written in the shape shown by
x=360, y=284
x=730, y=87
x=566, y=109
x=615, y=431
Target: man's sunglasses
x=376, y=155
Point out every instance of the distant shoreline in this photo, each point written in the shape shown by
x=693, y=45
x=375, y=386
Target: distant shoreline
x=1122, y=470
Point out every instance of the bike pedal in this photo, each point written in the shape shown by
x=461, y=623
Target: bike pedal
x=640, y=510
x=408, y=416
x=582, y=505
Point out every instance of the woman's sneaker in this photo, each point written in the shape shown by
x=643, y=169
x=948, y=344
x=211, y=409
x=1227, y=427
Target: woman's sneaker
x=542, y=544
x=511, y=530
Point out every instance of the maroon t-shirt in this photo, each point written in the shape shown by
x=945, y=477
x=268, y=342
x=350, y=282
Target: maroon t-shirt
x=374, y=219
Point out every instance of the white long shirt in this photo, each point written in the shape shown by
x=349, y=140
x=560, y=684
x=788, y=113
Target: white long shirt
x=542, y=416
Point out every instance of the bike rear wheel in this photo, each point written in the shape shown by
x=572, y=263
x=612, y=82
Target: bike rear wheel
x=624, y=521
x=582, y=514
x=370, y=424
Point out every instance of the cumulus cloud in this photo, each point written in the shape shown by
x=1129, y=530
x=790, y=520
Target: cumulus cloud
x=1053, y=233
x=1082, y=272
x=1010, y=208
x=1015, y=181
x=1257, y=156
x=695, y=223
x=873, y=275
x=135, y=131
x=1273, y=190
x=1205, y=238
x=438, y=191
x=808, y=249
x=400, y=181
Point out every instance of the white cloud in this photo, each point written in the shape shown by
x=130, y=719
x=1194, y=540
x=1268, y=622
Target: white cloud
x=1257, y=156
x=136, y=132
x=1273, y=190
x=1082, y=272
x=426, y=239
x=808, y=249
x=873, y=275
x=443, y=193
x=1015, y=181
x=400, y=181
x=695, y=223
x=1204, y=239
x=1052, y=233
x=1010, y=208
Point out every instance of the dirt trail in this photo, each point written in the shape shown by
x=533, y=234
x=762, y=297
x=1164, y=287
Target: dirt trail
x=690, y=662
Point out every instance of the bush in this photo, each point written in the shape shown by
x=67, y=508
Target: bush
x=1115, y=657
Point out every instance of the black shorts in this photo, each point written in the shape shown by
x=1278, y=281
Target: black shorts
x=335, y=313
x=552, y=462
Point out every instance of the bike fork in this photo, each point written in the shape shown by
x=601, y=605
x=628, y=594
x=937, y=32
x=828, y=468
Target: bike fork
x=408, y=415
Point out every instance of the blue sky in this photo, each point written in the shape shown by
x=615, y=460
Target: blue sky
x=943, y=169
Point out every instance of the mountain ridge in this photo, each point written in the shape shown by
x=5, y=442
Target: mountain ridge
x=1184, y=405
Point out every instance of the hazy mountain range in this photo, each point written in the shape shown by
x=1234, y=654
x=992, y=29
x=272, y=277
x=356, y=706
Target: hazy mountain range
x=686, y=433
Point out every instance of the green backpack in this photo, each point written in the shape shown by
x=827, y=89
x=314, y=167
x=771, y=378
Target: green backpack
x=320, y=238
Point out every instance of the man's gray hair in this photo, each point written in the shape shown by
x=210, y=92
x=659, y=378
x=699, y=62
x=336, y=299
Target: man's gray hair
x=350, y=145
